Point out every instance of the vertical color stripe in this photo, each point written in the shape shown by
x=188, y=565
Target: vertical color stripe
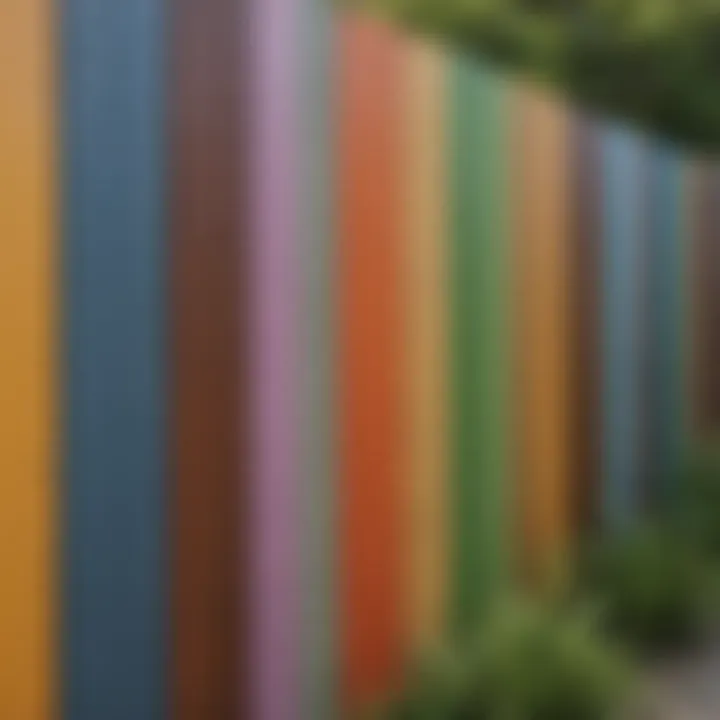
x=622, y=236
x=585, y=308
x=275, y=294
x=480, y=477
x=115, y=654
x=664, y=427
x=542, y=266
x=27, y=326
x=370, y=363
x=317, y=650
x=622, y=228
x=207, y=308
x=705, y=245
x=425, y=261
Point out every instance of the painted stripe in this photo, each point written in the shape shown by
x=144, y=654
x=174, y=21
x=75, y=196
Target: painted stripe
x=115, y=650
x=371, y=366
x=317, y=650
x=27, y=392
x=706, y=301
x=586, y=378
x=663, y=404
x=480, y=476
x=543, y=285
x=426, y=261
x=622, y=238
x=207, y=250
x=275, y=295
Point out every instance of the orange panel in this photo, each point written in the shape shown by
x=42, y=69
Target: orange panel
x=26, y=328
x=542, y=257
x=371, y=368
x=425, y=260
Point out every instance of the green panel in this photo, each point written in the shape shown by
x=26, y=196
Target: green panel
x=480, y=292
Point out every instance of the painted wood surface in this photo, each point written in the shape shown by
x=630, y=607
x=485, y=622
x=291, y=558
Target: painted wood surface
x=317, y=252
x=585, y=307
x=705, y=303
x=208, y=289
x=370, y=327
x=275, y=298
x=28, y=327
x=622, y=190
x=481, y=484
x=542, y=261
x=665, y=427
x=427, y=283
x=115, y=575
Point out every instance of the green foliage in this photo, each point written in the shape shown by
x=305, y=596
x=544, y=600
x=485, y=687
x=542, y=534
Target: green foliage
x=699, y=505
x=655, y=588
x=531, y=662
x=653, y=61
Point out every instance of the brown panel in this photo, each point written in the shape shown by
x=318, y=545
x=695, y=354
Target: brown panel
x=705, y=281
x=585, y=307
x=207, y=255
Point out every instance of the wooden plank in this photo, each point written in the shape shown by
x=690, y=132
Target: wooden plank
x=622, y=292
x=426, y=265
x=115, y=569
x=28, y=263
x=481, y=338
x=663, y=405
x=209, y=304
x=585, y=277
x=370, y=361
x=275, y=588
x=542, y=266
x=318, y=656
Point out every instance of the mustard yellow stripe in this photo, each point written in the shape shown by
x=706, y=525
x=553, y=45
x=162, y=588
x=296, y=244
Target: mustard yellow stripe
x=542, y=258
x=426, y=297
x=26, y=329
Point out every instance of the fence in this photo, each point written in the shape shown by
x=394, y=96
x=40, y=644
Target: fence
x=316, y=339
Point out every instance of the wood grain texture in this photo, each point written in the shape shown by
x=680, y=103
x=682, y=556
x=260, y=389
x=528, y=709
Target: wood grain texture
x=543, y=291
x=209, y=305
x=115, y=644
x=426, y=282
x=481, y=482
x=370, y=361
x=28, y=325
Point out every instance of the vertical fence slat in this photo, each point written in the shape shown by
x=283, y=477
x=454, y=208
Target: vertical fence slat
x=370, y=328
x=622, y=237
x=479, y=253
x=207, y=251
x=543, y=290
x=425, y=258
x=115, y=649
x=28, y=254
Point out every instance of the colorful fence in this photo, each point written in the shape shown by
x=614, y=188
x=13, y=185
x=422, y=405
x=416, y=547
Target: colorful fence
x=315, y=340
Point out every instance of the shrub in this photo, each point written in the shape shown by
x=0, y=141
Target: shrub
x=654, y=587
x=531, y=662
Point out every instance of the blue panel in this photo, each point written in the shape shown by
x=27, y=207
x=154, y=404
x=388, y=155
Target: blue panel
x=114, y=652
x=622, y=212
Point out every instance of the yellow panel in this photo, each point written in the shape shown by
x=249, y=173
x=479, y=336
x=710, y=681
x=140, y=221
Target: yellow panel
x=542, y=258
x=426, y=295
x=26, y=329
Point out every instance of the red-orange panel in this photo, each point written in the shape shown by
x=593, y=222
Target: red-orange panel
x=370, y=296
